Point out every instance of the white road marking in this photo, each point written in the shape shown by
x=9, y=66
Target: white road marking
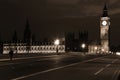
x=37, y=73
x=114, y=60
x=99, y=71
x=114, y=77
x=117, y=75
x=107, y=65
x=34, y=74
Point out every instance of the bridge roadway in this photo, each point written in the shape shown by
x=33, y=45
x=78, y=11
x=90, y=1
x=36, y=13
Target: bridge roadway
x=61, y=67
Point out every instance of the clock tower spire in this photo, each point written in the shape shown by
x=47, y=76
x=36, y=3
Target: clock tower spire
x=105, y=11
x=104, y=30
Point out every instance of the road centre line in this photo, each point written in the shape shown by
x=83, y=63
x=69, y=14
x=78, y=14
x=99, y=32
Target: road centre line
x=53, y=69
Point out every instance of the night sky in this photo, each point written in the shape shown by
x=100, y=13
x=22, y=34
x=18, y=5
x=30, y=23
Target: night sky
x=52, y=18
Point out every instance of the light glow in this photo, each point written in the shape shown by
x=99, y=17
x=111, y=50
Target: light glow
x=103, y=50
x=57, y=42
x=83, y=45
x=104, y=23
x=117, y=53
x=96, y=48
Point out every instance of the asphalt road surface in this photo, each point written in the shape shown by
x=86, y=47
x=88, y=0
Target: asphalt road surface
x=61, y=67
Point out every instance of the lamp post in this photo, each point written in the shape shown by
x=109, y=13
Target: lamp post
x=83, y=47
x=57, y=42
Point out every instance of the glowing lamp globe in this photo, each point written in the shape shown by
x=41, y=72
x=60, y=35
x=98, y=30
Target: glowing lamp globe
x=83, y=45
x=57, y=42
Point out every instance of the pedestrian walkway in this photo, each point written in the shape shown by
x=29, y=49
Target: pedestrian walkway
x=6, y=57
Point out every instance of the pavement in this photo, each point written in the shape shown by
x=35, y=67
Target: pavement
x=61, y=67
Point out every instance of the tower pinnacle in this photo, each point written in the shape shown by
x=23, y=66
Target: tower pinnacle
x=105, y=11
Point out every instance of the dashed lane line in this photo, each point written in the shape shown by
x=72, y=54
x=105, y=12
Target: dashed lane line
x=99, y=71
x=108, y=65
x=114, y=77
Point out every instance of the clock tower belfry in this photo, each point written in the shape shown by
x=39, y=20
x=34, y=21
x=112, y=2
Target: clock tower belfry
x=104, y=30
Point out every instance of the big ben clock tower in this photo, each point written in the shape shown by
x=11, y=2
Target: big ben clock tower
x=104, y=30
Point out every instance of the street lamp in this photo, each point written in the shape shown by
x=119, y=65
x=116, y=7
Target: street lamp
x=83, y=46
x=96, y=48
x=57, y=42
x=103, y=50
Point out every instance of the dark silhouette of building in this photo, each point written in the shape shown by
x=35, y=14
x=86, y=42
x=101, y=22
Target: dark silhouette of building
x=105, y=11
x=1, y=45
x=74, y=44
x=27, y=36
x=15, y=40
x=83, y=39
x=69, y=41
x=33, y=38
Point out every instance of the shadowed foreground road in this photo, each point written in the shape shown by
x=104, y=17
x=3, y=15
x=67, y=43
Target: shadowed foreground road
x=61, y=67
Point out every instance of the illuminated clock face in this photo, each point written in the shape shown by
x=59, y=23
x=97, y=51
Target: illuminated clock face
x=104, y=23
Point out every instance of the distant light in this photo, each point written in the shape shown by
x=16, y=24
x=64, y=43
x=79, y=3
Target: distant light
x=103, y=50
x=107, y=51
x=96, y=48
x=117, y=53
x=110, y=52
x=83, y=45
x=57, y=42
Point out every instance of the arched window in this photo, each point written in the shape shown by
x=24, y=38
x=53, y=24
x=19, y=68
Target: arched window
x=38, y=48
x=41, y=48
